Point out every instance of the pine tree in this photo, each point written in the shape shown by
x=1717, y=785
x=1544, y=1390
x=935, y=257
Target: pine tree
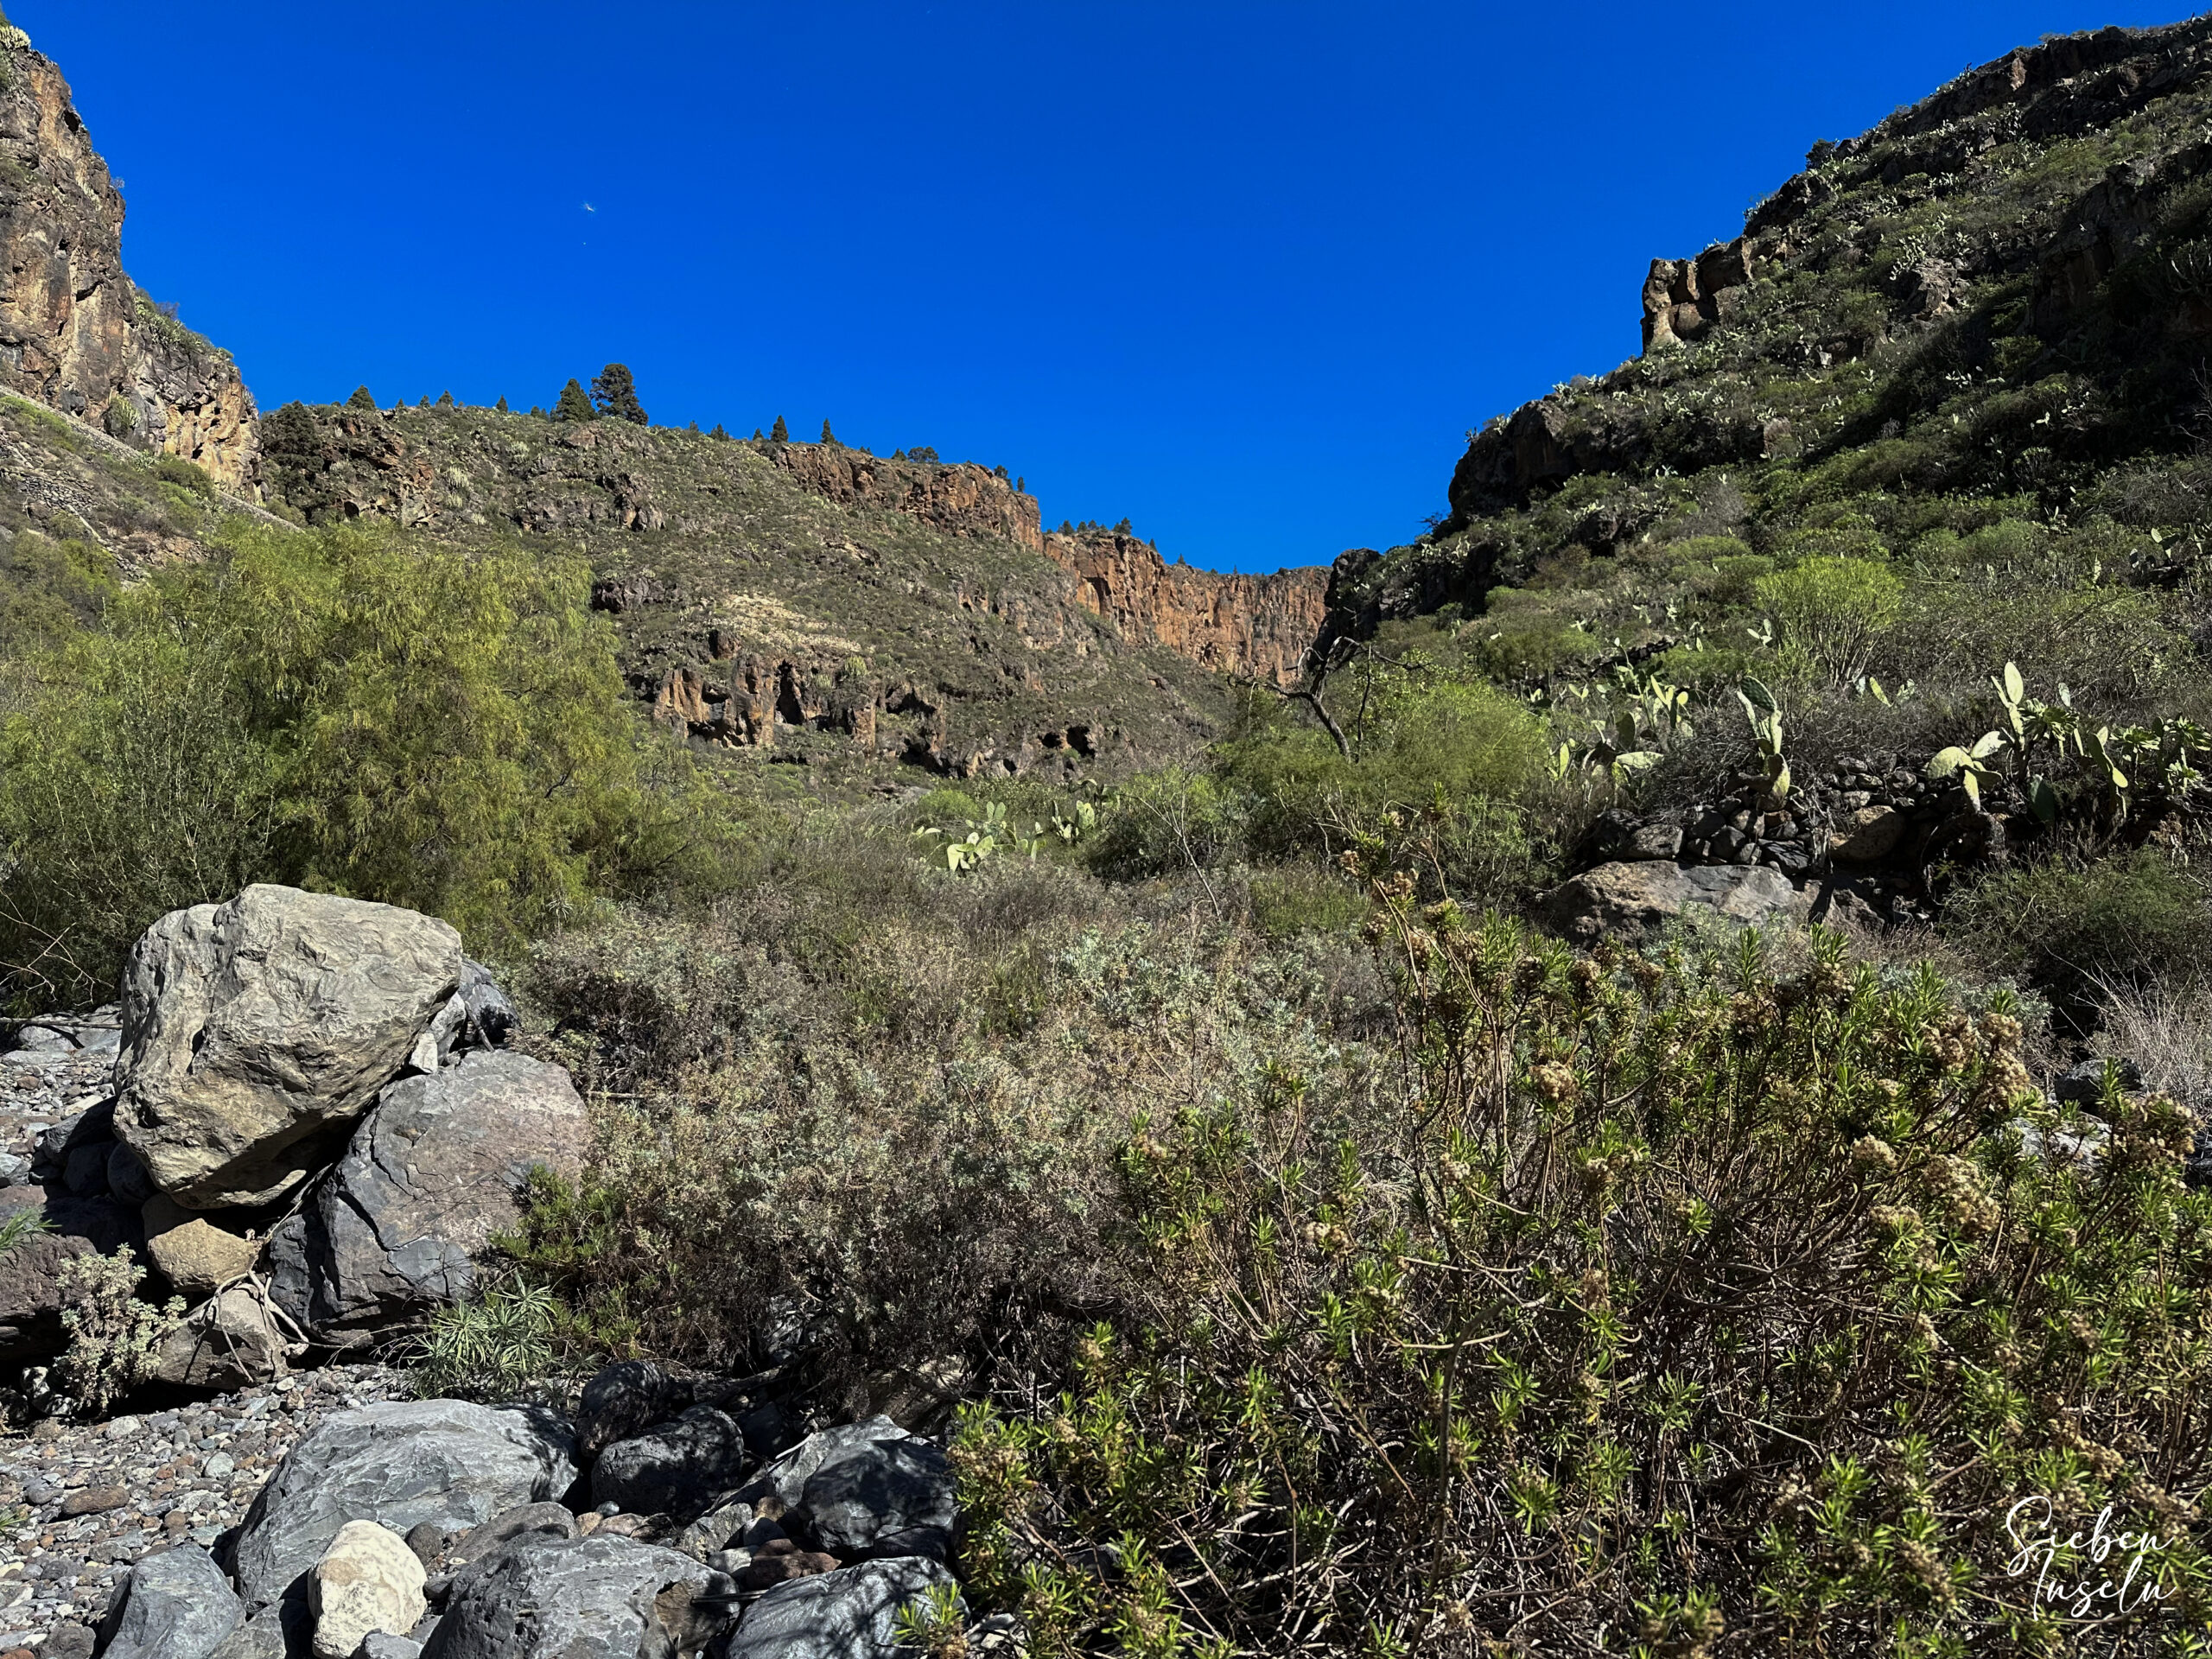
x=780, y=433
x=694, y=429
x=361, y=399
x=756, y=434
x=445, y=400
x=538, y=411
x=400, y=404
x=574, y=406
x=718, y=432
x=828, y=436
x=502, y=404
x=615, y=393
x=425, y=402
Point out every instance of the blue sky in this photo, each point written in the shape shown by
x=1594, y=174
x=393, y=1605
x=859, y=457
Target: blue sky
x=1244, y=272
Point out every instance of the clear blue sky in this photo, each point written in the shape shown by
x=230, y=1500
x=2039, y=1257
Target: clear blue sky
x=1244, y=272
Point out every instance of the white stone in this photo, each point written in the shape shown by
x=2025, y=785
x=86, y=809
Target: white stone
x=368, y=1579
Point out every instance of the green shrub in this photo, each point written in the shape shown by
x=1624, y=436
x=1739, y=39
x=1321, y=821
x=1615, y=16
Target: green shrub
x=49, y=590
x=345, y=710
x=1735, y=578
x=1833, y=611
x=185, y=475
x=2075, y=925
x=118, y=419
x=1172, y=822
x=115, y=1339
x=1676, y=1300
x=492, y=1348
x=1300, y=898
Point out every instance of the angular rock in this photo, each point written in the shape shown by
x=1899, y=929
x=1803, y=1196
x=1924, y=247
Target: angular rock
x=491, y=1017
x=228, y=1343
x=398, y=1463
x=176, y=1604
x=367, y=1580
x=273, y=1633
x=432, y=1173
x=850, y=1614
x=254, y=1030
x=676, y=1469
x=550, y=1519
x=1870, y=833
x=880, y=1497
x=552, y=1598
x=622, y=1401
x=30, y=1285
x=199, y=1257
x=2083, y=1084
x=1640, y=897
x=784, y=1478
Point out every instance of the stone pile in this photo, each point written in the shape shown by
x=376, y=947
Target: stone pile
x=443, y=1529
x=1850, y=841
x=302, y=1113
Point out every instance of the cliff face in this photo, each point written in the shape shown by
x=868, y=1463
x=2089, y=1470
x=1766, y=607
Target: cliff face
x=1232, y=623
x=74, y=334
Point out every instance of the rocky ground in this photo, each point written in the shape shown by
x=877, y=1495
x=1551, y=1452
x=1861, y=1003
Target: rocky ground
x=80, y=1504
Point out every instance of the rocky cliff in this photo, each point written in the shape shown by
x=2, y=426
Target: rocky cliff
x=1232, y=623
x=75, y=333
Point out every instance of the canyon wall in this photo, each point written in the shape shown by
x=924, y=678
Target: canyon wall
x=75, y=333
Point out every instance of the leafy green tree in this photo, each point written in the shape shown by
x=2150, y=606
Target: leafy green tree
x=780, y=433
x=615, y=395
x=362, y=398
x=574, y=406
x=347, y=710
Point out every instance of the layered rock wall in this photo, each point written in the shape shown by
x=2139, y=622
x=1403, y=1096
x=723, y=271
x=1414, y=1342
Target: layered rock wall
x=75, y=333
x=1227, y=621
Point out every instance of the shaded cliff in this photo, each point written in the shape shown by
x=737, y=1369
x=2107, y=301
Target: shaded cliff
x=75, y=333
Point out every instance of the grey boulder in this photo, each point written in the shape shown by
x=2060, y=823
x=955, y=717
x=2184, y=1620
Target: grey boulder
x=679, y=1468
x=622, y=1401
x=176, y=1604
x=254, y=1030
x=1640, y=897
x=880, y=1497
x=784, y=1477
x=852, y=1613
x=398, y=1463
x=543, y=1598
x=432, y=1172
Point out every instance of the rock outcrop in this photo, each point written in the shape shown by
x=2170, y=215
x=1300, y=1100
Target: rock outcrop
x=1228, y=622
x=75, y=333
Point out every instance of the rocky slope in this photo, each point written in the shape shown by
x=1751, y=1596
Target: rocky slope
x=2001, y=292
x=75, y=333
x=780, y=596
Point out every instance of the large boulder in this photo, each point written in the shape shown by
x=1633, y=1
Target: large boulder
x=545, y=1598
x=176, y=1604
x=879, y=1497
x=431, y=1175
x=850, y=1614
x=398, y=1463
x=1640, y=897
x=254, y=1030
x=676, y=1469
